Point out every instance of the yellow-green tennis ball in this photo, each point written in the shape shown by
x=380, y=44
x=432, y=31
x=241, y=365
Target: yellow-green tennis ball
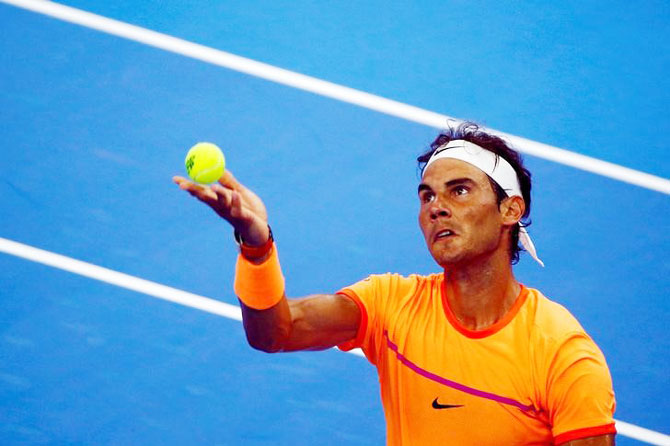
x=205, y=163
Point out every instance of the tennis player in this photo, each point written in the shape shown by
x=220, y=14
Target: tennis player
x=467, y=356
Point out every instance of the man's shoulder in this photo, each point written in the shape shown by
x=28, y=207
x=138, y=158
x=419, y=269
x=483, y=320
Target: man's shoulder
x=395, y=284
x=401, y=279
x=549, y=318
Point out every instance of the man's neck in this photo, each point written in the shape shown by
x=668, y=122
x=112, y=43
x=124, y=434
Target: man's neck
x=481, y=292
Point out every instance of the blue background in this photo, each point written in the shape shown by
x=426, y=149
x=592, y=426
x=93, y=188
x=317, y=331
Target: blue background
x=93, y=128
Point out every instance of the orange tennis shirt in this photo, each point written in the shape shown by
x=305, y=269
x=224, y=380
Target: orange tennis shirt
x=533, y=378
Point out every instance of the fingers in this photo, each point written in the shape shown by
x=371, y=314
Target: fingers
x=216, y=196
x=223, y=196
x=178, y=180
x=228, y=198
x=203, y=193
x=232, y=202
x=236, y=209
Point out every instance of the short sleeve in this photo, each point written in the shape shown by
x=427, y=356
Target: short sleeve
x=580, y=394
x=370, y=296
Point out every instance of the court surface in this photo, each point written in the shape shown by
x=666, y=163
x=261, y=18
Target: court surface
x=94, y=126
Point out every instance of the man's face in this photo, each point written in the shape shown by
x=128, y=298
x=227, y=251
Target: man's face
x=459, y=215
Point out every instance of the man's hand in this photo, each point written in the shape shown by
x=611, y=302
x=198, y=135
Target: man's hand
x=238, y=205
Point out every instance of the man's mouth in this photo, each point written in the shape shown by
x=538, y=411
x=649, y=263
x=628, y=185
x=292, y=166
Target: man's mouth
x=445, y=233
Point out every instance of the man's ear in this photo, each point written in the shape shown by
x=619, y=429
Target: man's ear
x=512, y=209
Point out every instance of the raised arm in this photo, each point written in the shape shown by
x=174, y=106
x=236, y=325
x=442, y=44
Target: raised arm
x=312, y=323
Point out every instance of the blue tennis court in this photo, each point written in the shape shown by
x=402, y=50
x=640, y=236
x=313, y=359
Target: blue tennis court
x=95, y=125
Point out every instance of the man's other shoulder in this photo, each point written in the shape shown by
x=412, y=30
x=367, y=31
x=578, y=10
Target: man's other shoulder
x=550, y=318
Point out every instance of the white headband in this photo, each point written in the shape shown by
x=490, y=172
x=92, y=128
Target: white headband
x=495, y=167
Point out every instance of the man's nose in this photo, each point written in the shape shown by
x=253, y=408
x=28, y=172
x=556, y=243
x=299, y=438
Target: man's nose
x=439, y=211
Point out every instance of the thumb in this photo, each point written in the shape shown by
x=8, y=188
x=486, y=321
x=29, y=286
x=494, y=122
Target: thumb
x=229, y=181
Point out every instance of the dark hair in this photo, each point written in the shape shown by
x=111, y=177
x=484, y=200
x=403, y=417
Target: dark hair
x=471, y=132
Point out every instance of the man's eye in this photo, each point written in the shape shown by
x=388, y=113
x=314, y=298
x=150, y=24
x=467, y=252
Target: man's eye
x=426, y=197
x=461, y=190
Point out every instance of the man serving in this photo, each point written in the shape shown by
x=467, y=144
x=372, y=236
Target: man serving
x=468, y=356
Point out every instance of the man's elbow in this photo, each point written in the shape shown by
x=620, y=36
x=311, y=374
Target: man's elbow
x=268, y=341
x=266, y=330
x=265, y=345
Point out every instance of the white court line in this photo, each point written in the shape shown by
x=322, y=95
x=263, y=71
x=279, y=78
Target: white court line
x=329, y=89
x=112, y=277
x=159, y=291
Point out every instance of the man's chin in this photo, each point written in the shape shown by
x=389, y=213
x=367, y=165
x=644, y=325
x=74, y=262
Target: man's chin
x=448, y=261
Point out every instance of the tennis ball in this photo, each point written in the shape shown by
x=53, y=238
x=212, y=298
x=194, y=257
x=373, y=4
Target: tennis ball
x=205, y=163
